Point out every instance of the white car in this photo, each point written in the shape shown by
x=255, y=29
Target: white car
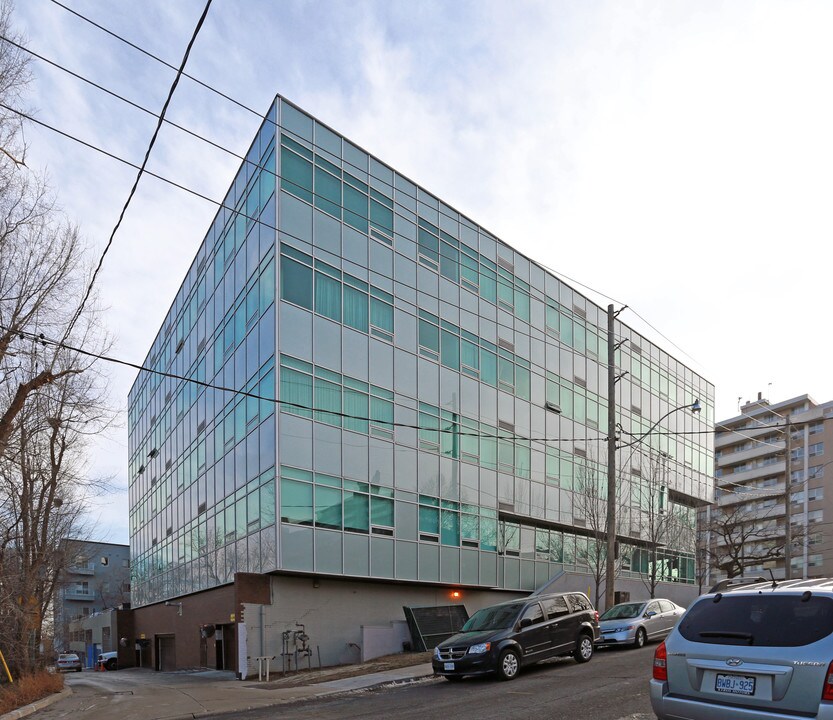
x=635, y=623
x=110, y=660
x=68, y=662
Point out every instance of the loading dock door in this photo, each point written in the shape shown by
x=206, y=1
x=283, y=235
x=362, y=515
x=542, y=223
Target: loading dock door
x=165, y=653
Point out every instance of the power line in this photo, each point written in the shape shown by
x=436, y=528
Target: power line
x=268, y=119
x=40, y=338
x=157, y=59
x=222, y=205
x=123, y=99
x=141, y=170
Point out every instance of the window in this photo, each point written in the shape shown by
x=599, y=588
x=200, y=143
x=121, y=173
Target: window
x=105, y=560
x=534, y=614
x=580, y=602
x=816, y=449
x=296, y=497
x=296, y=282
x=556, y=607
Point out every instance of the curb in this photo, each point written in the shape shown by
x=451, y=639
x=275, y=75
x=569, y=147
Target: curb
x=325, y=692
x=22, y=712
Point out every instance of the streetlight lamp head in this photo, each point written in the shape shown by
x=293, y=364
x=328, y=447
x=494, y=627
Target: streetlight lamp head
x=696, y=407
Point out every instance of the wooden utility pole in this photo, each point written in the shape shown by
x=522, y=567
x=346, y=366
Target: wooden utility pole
x=788, y=534
x=610, y=560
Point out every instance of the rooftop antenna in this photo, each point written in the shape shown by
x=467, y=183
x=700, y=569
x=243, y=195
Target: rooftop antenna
x=774, y=584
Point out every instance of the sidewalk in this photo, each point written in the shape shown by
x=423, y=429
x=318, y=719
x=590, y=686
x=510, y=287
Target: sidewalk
x=136, y=694
x=202, y=696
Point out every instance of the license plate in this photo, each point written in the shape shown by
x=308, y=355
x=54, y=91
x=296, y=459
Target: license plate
x=735, y=684
x=448, y=666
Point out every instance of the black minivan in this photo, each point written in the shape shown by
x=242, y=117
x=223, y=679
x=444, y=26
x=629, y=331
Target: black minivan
x=505, y=637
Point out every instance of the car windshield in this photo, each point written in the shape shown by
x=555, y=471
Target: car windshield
x=493, y=618
x=623, y=611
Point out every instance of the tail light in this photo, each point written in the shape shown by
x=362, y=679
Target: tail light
x=827, y=690
x=597, y=616
x=661, y=666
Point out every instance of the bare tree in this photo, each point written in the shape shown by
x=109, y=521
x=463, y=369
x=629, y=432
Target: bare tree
x=743, y=535
x=590, y=504
x=660, y=524
x=51, y=398
x=43, y=489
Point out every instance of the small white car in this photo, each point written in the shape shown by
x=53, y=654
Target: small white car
x=635, y=623
x=68, y=662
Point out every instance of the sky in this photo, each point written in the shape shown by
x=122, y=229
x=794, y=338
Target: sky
x=670, y=156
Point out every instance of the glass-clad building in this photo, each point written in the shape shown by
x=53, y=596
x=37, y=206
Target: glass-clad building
x=385, y=390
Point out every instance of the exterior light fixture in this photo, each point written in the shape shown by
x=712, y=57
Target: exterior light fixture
x=456, y=594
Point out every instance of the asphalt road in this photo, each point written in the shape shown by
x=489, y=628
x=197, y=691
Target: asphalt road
x=612, y=686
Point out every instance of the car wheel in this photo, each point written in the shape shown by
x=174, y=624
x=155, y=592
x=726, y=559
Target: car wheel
x=584, y=648
x=640, y=639
x=509, y=665
x=78, y=669
x=111, y=665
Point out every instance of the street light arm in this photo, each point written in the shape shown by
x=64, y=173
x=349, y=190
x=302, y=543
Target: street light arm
x=694, y=407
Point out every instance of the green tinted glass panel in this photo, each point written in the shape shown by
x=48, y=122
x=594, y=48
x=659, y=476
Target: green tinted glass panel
x=488, y=284
x=381, y=315
x=355, y=308
x=327, y=507
x=450, y=527
x=296, y=392
x=429, y=336
x=296, y=174
x=356, y=512
x=355, y=404
x=296, y=502
x=381, y=216
x=450, y=350
x=429, y=520
x=328, y=296
x=327, y=397
x=488, y=367
x=296, y=282
x=381, y=511
x=355, y=201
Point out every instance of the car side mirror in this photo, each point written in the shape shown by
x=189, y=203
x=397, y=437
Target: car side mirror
x=526, y=622
x=650, y=614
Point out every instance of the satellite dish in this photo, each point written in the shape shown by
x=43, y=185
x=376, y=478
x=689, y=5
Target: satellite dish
x=123, y=642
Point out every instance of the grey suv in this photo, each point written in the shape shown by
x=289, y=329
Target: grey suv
x=757, y=649
x=503, y=638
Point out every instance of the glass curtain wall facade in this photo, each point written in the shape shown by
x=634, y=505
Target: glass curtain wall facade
x=396, y=362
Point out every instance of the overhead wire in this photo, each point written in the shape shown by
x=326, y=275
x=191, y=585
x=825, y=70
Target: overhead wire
x=266, y=118
x=132, y=192
x=222, y=205
x=39, y=338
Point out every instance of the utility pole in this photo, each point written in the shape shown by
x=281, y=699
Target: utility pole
x=611, y=461
x=788, y=534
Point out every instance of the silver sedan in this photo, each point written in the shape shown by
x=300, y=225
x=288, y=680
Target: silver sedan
x=634, y=623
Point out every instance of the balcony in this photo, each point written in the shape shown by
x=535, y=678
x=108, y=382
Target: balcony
x=70, y=594
x=725, y=438
x=753, y=473
x=754, y=453
x=88, y=569
x=734, y=495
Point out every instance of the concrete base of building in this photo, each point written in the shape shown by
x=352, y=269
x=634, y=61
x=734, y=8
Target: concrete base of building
x=301, y=622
